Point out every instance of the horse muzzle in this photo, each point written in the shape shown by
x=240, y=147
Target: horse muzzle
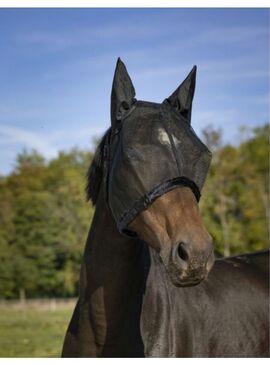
x=186, y=266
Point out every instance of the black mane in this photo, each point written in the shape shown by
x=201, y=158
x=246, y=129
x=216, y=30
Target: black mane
x=95, y=171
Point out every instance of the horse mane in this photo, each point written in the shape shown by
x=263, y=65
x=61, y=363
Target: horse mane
x=96, y=169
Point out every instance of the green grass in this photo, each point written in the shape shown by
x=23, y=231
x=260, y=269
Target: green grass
x=33, y=332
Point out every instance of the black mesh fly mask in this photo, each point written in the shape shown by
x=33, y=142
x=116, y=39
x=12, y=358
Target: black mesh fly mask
x=152, y=150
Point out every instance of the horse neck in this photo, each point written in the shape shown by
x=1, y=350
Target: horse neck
x=109, y=269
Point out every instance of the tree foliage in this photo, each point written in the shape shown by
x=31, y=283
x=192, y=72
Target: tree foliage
x=235, y=197
x=44, y=218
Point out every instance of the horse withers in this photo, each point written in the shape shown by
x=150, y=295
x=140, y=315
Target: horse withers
x=148, y=286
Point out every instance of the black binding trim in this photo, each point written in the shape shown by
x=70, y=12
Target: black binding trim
x=148, y=198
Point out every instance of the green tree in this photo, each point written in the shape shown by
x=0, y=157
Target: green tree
x=43, y=224
x=234, y=203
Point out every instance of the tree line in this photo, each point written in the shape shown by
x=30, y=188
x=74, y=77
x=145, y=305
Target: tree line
x=44, y=216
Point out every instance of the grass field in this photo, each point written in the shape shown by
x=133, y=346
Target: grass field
x=34, y=330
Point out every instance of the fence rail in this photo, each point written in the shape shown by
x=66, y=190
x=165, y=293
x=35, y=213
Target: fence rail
x=38, y=304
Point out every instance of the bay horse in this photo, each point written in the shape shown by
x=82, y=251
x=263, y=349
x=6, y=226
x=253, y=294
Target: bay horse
x=149, y=284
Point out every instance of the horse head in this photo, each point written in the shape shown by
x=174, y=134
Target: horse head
x=156, y=169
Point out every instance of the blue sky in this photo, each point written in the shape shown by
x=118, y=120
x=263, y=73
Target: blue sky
x=56, y=70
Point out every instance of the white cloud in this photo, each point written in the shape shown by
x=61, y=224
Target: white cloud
x=14, y=139
x=10, y=135
x=72, y=135
x=48, y=143
x=221, y=70
x=233, y=34
x=54, y=40
x=14, y=111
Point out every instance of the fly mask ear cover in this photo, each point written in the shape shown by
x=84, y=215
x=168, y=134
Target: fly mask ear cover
x=153, y=150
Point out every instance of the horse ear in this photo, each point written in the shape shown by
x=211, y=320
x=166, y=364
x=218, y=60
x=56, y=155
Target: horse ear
x=182, y=97
x=123, y=92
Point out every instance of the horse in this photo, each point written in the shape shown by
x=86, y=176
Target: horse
x=149, y=283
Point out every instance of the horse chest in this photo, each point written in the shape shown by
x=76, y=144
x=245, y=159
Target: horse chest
x=165, y=328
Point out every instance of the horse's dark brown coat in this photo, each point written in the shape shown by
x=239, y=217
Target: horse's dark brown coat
x=129, y=307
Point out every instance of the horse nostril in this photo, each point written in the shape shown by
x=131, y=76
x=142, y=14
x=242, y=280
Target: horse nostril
x=182, y=252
